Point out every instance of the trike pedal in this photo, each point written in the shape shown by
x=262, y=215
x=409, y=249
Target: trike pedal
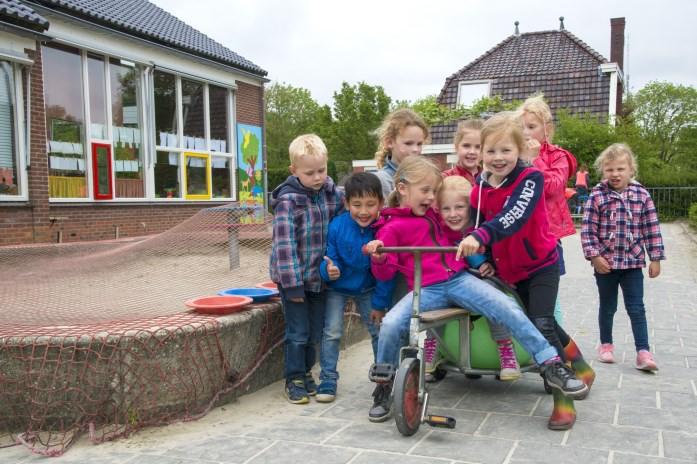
x=382, y=373
x=440, y=421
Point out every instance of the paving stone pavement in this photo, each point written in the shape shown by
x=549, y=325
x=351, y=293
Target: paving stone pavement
x=631, y=417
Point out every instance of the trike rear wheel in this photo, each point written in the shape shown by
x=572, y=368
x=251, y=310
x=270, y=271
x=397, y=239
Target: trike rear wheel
x=408, y=407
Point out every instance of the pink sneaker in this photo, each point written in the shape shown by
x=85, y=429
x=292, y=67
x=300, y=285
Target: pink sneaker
x=510, y=370
x=605, y=354
x=431, y=358
x=645, y=361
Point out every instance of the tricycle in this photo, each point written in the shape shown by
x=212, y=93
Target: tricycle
x=464, y=343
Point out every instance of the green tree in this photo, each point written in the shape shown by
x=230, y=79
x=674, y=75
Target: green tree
x=666, y=113
x=583, y=135
x=358, y=111
x=489, y=105
x=433, y=112
x=290, y=111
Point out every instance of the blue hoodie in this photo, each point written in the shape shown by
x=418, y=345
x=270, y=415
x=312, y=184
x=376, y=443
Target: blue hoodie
x=345, y=248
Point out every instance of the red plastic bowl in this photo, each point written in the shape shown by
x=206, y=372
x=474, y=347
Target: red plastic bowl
x=271, y=285
x=216, y=304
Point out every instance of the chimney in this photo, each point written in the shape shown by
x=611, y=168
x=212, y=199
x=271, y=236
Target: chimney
x=617, y=41
x=617, y=53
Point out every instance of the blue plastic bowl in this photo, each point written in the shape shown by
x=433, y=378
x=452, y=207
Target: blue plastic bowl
x=255, y=293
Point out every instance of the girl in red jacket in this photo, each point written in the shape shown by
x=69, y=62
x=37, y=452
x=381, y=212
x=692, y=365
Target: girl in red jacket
x=468, y=147
x=557, y=166
x=509, y=198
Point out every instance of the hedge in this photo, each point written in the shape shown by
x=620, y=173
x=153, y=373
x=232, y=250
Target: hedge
x=692, y=215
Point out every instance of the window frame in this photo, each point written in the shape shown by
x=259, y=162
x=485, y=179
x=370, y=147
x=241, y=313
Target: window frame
x=209, y=184
x=19, y=131
x=462, y=84
x=110, y=169
x=207, y=152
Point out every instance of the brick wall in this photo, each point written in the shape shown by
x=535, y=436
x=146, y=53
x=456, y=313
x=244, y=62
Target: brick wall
x=29, y=222
x=103, y=221
x=250, y=108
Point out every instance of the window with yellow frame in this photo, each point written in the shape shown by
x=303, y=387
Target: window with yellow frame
x=197, y=176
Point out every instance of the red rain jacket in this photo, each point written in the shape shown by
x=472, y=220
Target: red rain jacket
x=557, y=166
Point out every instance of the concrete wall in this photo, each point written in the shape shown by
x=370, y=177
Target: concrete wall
x=144, y=376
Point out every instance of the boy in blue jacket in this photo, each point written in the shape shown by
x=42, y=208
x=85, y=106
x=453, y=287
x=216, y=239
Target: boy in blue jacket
x=302, y=205
x=347, y=271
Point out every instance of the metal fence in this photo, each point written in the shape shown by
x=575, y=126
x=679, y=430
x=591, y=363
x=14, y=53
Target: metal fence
x=673, y=202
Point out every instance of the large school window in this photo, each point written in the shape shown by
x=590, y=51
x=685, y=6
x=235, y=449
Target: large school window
x=125, y=86
x=65, y=122
x=193, y=131
x=105, y=145
x=12, y=176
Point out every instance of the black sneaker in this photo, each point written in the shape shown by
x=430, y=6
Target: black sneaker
x=296, y=393
x=310, y=384
x=382, y=403
x=560, y=376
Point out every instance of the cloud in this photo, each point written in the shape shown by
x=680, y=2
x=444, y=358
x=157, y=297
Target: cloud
x=410, y=47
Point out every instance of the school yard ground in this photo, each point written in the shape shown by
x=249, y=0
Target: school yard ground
x=630, y=416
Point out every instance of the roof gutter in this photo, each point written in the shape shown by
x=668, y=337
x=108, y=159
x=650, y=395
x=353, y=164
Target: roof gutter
x=137, y=39
x=23, y=31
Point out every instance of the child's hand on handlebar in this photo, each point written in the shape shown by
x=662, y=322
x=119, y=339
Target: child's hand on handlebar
x=371, y=248
x=487, y=270
x=468, y=247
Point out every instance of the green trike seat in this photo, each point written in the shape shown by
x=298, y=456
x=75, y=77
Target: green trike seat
x=483, y=351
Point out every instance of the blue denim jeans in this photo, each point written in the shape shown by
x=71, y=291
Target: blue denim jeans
x=304, y=322
x=334, y=329
x=632, y=283
x=466, y=291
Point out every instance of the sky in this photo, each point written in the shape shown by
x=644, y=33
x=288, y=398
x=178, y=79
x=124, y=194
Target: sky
x=410, y=47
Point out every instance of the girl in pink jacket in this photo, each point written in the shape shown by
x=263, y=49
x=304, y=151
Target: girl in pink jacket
x=415, y=223
x=557, y=166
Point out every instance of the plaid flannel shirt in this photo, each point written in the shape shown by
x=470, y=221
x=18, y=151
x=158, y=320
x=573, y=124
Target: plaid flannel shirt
x=300, y=226
x=619, y=225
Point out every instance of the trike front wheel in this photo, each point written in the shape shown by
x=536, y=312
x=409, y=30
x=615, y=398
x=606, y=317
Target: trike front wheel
x=408, y=407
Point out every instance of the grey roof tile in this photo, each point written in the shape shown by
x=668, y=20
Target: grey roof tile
x=21, y=14
x=146, y=20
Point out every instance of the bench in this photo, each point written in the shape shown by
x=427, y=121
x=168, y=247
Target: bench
x=439, y=317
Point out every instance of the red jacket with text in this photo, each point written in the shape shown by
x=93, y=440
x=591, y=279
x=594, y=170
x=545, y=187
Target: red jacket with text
x=515, y=223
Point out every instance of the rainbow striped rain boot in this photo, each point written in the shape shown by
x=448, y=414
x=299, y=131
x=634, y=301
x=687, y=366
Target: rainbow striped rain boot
x=564, y=413
x=581, y=368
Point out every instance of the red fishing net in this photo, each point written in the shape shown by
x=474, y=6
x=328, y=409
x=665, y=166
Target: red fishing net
x=95, y=338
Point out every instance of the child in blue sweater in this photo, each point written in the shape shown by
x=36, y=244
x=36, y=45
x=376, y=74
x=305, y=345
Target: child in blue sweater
x=346, y=269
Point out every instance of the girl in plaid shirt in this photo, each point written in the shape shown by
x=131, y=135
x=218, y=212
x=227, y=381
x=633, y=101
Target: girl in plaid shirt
x=619, y=223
